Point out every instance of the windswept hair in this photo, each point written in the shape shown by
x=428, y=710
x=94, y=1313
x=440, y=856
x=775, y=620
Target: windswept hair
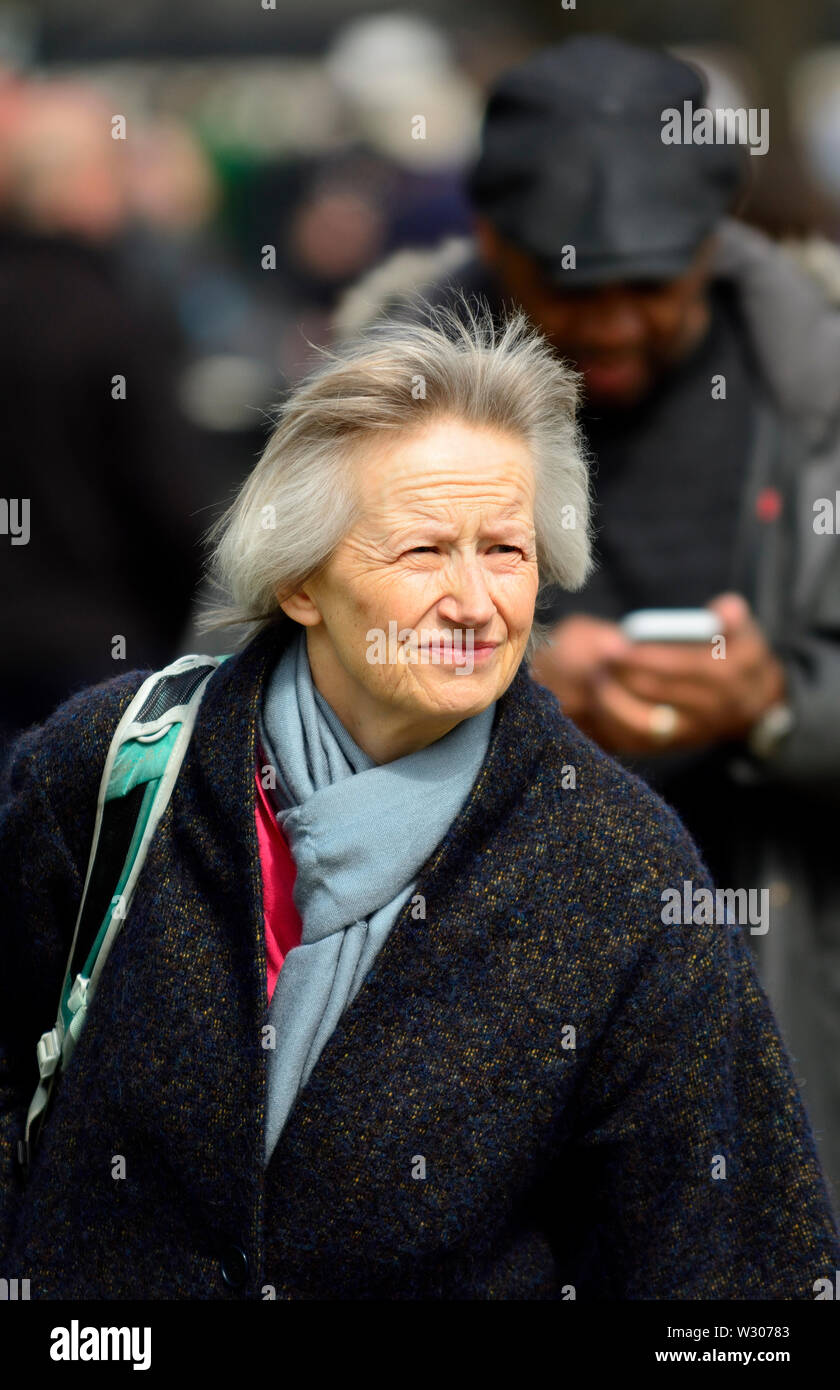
x=401, y=375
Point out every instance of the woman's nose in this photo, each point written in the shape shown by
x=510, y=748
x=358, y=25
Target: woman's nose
x=468, y=598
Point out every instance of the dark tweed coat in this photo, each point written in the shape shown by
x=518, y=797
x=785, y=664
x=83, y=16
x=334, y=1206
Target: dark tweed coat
x=450, y=1142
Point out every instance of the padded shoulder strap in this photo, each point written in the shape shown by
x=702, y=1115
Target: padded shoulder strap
x=141, y=767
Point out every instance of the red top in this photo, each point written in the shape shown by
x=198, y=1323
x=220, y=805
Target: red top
x=282, y=920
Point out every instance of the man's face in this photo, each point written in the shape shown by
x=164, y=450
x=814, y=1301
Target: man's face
x=623, y=337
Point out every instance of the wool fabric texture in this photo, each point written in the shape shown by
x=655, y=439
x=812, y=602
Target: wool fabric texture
x=359, y=833
x=545, y=1164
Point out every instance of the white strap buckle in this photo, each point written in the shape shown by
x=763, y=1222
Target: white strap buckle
x=78, y=994
x=48, y=1052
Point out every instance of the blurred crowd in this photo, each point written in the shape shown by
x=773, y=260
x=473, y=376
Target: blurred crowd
x=192, y=227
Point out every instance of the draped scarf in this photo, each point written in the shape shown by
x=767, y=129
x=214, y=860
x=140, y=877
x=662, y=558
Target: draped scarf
x=359, y=833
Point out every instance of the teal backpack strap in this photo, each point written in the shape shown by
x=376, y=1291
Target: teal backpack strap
x=143, y=762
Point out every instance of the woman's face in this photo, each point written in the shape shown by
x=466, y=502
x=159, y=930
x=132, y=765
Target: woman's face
x=442, y=563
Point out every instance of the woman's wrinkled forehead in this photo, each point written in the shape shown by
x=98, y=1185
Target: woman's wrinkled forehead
x=449, y=467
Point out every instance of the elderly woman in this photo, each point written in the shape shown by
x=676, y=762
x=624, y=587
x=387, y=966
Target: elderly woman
x=396, y=1010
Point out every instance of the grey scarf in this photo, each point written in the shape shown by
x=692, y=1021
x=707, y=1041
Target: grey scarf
x=359, y=833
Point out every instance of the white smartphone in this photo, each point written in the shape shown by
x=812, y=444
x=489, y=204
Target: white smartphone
x=671, y=625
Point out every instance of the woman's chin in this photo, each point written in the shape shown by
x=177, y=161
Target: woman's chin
x=451, y=688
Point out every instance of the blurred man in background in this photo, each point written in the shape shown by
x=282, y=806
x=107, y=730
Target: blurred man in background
x=95, y=449
x=710, y=369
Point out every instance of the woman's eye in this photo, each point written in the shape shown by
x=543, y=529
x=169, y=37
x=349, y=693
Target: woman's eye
x=434, y=550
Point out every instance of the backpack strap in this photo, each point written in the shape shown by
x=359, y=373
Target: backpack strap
x=143, y=762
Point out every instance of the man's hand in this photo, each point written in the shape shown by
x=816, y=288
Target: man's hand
x=580, y=654
x=612, y=687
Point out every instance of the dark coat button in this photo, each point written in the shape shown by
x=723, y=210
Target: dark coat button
x=234, y=1266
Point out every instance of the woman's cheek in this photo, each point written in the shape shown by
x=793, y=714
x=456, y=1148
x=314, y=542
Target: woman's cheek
x=516, y=595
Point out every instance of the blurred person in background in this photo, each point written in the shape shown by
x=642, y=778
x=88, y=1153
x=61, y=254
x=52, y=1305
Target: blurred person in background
x=97, y=456
x=175, y=252
x=416, y=112
x=623, y=250
x=386, y=171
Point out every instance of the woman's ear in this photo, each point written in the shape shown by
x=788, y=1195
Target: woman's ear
x=301, y=607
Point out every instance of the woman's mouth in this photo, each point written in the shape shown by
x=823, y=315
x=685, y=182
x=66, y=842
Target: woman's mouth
x=463, y=652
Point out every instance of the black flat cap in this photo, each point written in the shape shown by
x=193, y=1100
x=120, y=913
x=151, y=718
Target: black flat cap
x=572, y=155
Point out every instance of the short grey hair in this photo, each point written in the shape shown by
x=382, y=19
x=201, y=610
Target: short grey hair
x=456, y=361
